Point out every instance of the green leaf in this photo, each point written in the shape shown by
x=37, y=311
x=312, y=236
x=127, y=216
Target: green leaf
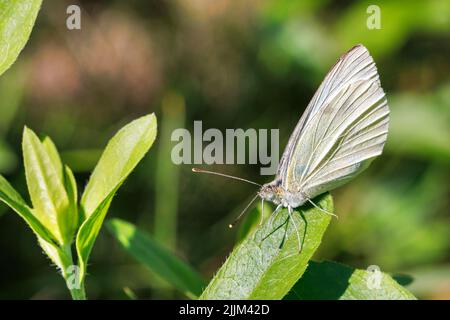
x=122, y=154
x=47, y=191
x=71, y=185
x=334, y=281
x=13, y=199
x=157, y=258
x=72, y=191
x=68, y=179
x=54, y=156
x=56, y=255
x=252, y=220
x=88, y=232
x=120, y=157
x=263, y=266
x=17, y=18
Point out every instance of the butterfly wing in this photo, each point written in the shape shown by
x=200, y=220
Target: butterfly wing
x=344, y=127
x=333, y=83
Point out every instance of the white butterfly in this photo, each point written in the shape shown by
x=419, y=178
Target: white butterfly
x=342, y=130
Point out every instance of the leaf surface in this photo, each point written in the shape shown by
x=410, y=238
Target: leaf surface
x=334, y=281
x=17, y=19
x=263, y=265
x=121, y=156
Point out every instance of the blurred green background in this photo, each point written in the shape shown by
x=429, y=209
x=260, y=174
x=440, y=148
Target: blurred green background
x=231, y=64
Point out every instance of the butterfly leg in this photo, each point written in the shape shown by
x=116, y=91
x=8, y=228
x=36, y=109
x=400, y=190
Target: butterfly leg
x=323, y=210
x=296, y=228
x=275, y=214
x=262, y=212
x=306, y=227
x=285, y=233
x=286, y=222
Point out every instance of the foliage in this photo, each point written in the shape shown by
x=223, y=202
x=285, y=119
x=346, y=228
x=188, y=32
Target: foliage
x=269, y=263
x=56, y=216
x=333, y=281
x=157, y=258
x=16, y=23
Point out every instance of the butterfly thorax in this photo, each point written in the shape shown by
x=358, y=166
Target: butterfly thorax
x=275, y=193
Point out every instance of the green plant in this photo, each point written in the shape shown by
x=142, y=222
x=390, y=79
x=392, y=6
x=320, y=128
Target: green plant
x=17, y=21
x=266, y=263
x=57, y=218
x=157, y=258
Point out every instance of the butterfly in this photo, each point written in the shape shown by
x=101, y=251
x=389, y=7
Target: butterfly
x=342, y=130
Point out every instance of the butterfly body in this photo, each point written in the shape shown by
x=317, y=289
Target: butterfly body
x=275, y=193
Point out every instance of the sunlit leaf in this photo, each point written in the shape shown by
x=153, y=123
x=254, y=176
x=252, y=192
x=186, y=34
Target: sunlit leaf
x=72, y=192
x=263, y=266
x=47, y=191
x=120, y=157
x=17, y=18
x=61, y=260
x=122, y=154
x=54, y=156
x=10, y=196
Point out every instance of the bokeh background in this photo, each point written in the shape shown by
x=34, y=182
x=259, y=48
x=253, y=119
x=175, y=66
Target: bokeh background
x=231, y=64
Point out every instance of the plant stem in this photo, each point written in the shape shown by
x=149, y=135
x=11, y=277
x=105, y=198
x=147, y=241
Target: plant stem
x=71, y=274
x=78, y=294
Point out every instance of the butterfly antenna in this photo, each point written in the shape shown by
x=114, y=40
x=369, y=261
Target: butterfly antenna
x=196, y=170
x=323, y=210
x=231, y=225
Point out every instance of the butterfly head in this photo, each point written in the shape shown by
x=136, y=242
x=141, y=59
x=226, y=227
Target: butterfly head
x=272, y=192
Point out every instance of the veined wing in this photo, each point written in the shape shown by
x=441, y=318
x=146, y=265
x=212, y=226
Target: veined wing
x=343, y=131
x=349, y=68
